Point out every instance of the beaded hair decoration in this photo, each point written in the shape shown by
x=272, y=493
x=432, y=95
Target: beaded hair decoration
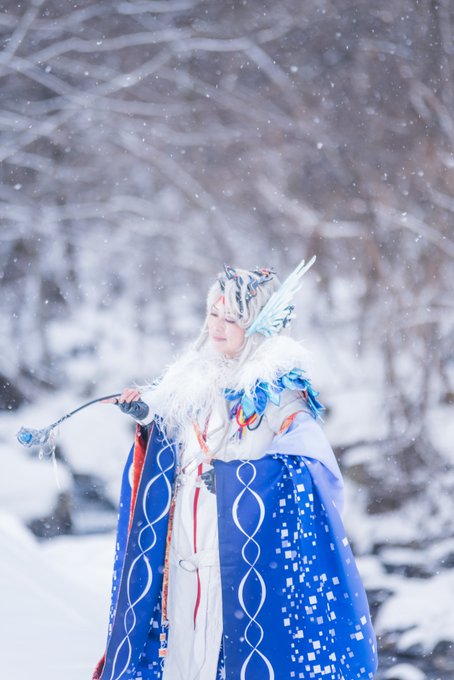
x=260, y=277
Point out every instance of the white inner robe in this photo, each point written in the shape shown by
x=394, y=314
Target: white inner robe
x=193, y=647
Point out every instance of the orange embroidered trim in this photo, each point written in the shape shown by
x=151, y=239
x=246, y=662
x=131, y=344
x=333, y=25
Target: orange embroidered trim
x=288, y=421
x=201, y=438
x=195, y=510
x=165, y=577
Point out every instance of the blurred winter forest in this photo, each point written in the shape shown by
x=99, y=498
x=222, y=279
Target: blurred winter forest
x=144, y=142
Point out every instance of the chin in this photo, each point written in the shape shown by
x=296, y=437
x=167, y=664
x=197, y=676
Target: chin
x=217, y=346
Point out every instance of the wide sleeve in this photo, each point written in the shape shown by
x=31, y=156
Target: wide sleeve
x=290, y=402
x=304, y=437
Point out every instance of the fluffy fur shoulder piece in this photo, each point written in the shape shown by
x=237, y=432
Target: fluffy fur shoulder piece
x=193, y=383
x=274, y=357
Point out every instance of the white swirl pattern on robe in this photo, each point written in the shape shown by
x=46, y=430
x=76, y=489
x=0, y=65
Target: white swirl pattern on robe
x=250, y=540
x=142, y=557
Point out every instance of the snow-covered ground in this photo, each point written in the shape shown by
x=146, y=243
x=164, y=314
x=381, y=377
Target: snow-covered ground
x=55, y=594
x=54, y=603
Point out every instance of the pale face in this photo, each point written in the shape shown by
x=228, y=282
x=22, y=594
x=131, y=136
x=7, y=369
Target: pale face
x=225, y=335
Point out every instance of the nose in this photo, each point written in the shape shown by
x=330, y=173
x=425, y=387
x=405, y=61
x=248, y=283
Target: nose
x=219, y=325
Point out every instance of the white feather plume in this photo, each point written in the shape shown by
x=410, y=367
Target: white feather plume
x=277, y=311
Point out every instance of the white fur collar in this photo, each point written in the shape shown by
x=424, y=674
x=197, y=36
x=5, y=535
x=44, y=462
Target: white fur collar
x=195, y=382
x=274, y=357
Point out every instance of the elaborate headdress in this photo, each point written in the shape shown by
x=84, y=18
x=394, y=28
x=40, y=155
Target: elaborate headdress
x=276, y=311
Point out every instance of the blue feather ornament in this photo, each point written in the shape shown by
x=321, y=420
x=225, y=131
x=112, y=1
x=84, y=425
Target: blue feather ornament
x=262, y=393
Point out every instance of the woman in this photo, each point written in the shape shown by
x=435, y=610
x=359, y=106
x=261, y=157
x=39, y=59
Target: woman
x=232, y=561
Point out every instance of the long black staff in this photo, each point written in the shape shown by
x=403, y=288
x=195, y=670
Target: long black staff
x=28, y=437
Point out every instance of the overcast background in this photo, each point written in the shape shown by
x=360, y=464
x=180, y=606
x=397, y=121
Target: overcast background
x=142, y=144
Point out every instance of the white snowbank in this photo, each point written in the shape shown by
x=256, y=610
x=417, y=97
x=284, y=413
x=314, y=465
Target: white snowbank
x=404, y=671
x=54, y=610
x=28, y=486
x=94, y=441
x=421, y=609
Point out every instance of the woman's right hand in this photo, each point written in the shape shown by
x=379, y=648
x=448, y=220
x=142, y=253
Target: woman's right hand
x=130, y=402
x=128, y=395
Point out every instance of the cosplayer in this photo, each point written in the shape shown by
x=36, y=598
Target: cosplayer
x=231, y=557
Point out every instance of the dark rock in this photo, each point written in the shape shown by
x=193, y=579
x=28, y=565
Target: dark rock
x=443, y=656
x=11, y=397
x=58, y=523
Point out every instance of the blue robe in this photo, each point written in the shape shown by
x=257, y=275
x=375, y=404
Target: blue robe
x=293, y=603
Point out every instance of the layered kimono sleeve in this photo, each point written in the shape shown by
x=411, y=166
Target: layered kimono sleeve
x=293, y=601
x=304, y=436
